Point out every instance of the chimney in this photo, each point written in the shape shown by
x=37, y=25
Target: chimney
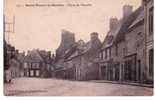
x=113, y=23
x=49, y=53
x=23, y=54
x=94, y=36
x=66, y=36
x=17, y=51
x=143, y=2
x=127, y=10
x=53, y=55
x=28, y=52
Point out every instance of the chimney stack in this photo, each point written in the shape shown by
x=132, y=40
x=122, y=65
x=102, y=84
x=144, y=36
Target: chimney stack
x=49, y=53
x=67, y=36
x=127, y=10
x=113, y=23
x=94, y=36
x=28, y=52
x=143, y=2
x=17, y=51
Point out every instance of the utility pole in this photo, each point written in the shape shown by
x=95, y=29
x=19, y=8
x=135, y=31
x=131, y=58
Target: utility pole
x=9, y=27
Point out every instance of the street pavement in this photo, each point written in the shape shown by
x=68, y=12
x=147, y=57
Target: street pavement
x=55, y=87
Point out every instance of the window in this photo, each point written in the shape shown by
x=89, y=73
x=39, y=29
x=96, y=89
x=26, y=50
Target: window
x=101, y=54
x=31, y=73
x=117, y=71
x=27, y=73
x=30, y=65
x=128, y=70
x=151, y=20
x=25, y=65
x=116, y=52
x=123, y=51
x=33, y=65
x=36, y=65
x=122, y=71
x=48, y=66
x=105, y=53
x=110, y=52
x=139, y=70
x=37, y=73
x=103, y=73
x=151, y=62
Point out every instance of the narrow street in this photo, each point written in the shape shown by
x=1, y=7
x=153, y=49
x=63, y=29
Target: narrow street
x=55, y=87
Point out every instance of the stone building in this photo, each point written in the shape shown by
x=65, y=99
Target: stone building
x=80, y=60
x=16, y=65
x=37, y=63
x=110, y=53
x=20, y=57
x=15, y=68
x=122, y=57
x=148, y=28
x=118, y=48
x=67, y=40
x=84, y=59
x=131, y=41
x=106, y=53
x=9, y=52
x=13, y=61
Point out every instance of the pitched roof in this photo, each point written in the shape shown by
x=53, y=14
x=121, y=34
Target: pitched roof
x=138, y=19
x=109, y=39
x=8, y=47
x=71, y=51
x=20, y=57
x=87, y=48
x=127, y=23
x=45, y=56
x=33, y=56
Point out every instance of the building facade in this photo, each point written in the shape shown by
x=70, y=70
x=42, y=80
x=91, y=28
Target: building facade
x=12, y=61
x=37, y=63
x=134, y=49
x=112, y=53
x=126, y=54
x=79, y=61
x=149, y=33
x=106, y=54
x=67, y=42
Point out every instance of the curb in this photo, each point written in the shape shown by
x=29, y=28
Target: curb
x=125, y=83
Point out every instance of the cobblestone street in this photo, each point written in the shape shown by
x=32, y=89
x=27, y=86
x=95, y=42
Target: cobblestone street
x=54, y=87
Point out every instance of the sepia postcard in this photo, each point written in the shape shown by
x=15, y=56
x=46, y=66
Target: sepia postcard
x=78, y=47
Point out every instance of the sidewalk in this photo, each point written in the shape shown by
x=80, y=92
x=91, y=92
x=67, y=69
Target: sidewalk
x=123, y=83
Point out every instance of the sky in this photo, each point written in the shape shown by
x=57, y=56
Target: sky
x=40, y=27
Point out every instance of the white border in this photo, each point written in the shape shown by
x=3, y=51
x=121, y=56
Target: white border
x=2, y=97
x=1, y=47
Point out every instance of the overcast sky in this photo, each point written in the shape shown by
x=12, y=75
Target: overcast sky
x=40, y=27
